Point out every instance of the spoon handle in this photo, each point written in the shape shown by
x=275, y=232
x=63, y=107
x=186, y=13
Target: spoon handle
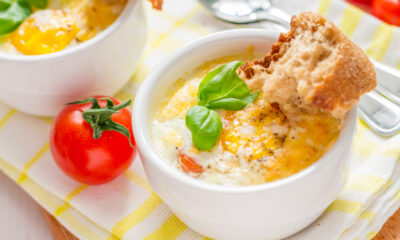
x=389, y=81
x=273, y=14
x=382, y=115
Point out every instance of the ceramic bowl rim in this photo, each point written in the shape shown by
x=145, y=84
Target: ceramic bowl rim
x=145, y=144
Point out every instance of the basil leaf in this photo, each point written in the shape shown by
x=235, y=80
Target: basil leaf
x=5, y=4
x=222, y=88
x=13, y=16
x=38, y=3
x=205, y=126
x=233, y=104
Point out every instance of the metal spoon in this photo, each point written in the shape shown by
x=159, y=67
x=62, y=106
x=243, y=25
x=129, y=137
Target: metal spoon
x=382, y=115
x=246, y=11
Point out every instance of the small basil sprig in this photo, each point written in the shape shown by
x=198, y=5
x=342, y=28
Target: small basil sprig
x=205, y=125
x=5, y=4
x=222, y=88
x=37, y=3
x=14, y=12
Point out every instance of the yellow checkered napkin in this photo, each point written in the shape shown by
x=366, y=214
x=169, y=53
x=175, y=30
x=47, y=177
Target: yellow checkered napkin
x=127, y=208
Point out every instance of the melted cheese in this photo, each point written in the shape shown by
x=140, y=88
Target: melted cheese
x=258, y=144
x=259, y=128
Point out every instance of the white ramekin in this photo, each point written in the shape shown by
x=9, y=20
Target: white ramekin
x=41, y=84
x=268, y=211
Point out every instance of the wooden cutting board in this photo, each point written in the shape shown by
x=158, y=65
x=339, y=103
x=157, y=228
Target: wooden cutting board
x=389, y=231
x=59, y=232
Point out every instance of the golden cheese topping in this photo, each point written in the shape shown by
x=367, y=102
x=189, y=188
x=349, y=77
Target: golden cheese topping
x=309, y=138
x=93, y=16
x=260, y=128
x=258, y=144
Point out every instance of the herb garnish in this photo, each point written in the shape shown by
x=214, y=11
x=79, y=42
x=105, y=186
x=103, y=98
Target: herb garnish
x=221, y=88
x=14, y=12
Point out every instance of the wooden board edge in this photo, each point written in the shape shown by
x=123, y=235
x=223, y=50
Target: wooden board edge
x=58, y=231
x=389, y=231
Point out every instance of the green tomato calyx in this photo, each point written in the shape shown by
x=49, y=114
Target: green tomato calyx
x=100, y=118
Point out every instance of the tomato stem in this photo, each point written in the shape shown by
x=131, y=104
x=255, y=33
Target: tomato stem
x=100, y=118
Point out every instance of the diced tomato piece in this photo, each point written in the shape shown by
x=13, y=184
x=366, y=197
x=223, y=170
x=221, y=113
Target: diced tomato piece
x=188, y=164
x=157, y=4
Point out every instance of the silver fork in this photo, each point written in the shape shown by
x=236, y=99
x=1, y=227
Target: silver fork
x=380, y=109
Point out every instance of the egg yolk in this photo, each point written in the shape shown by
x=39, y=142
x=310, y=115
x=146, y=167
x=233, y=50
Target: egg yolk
x=45, y=32
x=258, y=129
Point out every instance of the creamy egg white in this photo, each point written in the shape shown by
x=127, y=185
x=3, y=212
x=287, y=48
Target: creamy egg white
x=258, y=144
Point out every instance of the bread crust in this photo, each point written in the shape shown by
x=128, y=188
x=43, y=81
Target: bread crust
x=336, y=89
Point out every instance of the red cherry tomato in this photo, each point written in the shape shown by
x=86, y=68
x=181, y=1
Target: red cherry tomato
x=387, y=10
x=79, y=154
x=362, y=4
x=360, y=1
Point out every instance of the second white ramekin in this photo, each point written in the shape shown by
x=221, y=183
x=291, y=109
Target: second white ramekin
x=42, y=84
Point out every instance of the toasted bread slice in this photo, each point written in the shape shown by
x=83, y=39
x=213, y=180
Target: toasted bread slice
x=312, y=67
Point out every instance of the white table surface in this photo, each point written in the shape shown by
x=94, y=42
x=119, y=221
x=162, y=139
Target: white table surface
x=20, y=217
